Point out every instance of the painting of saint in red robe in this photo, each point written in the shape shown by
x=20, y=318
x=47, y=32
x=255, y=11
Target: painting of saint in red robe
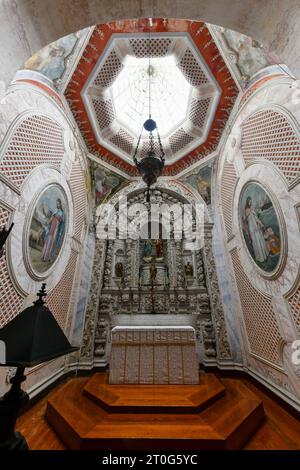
x=47, y=228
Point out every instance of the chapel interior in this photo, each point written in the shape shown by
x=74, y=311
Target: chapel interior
x=150, y=225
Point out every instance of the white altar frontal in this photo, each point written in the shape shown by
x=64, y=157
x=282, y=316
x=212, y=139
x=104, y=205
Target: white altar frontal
x=153, y=355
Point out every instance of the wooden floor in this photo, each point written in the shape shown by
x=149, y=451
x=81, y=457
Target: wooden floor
x=279, y=431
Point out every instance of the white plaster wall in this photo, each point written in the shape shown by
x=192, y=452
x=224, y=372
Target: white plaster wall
x=280, y=94
x=28, y=25
x=23, y=100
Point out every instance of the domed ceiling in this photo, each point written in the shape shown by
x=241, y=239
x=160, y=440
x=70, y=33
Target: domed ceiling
x=191, y=91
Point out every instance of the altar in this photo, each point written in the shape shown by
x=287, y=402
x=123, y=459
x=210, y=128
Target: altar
x=153, y=355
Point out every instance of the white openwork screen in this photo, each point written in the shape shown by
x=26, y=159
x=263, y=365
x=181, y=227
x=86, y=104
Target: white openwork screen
x=123, y=140
x=261, y=326
x=10, y=300
x=59, y=298
x=104, y=112
x=227, y=190
x=191, y=69
x=294, y=302
x=79, y=198
x=109, y=71
x=268, y=134
x=180, y=139
x=37, y=140
x=198, y=112
x=156, y=47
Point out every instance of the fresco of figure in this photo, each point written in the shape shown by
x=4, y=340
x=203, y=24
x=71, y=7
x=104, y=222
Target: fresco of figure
x=54, y=231
x=255, y=229
x=260, y=226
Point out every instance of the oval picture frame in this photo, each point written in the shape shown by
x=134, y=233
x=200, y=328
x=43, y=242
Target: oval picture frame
x=45, y=230
x=262, y=229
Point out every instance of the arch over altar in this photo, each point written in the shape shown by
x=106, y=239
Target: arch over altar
x=177, y=284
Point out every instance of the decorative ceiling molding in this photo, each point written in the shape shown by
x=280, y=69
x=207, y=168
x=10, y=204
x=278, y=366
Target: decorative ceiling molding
x=212, y=90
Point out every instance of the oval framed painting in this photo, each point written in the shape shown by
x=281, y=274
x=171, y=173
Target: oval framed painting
x=46, y=229
x=262, y=228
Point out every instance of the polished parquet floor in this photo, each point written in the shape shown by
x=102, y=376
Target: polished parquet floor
x=279, y=431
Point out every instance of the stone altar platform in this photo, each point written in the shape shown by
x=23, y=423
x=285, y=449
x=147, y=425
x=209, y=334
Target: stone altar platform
x=153, y=355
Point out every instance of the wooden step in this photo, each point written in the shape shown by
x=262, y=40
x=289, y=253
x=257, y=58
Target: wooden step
x=158, y=399
x=82, y=423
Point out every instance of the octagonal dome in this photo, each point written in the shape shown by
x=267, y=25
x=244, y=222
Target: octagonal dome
x=164, y=70
x=192, y=91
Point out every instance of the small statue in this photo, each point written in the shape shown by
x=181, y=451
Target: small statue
x=159, y=248
x=147, y=253
x=189, y=270
x=153, y=272
x=119, y=271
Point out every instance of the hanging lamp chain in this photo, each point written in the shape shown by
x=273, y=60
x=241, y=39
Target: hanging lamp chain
x=149, y=65
x=151, y=165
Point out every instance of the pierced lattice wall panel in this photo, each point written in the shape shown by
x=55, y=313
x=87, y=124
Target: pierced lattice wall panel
x=79, y=198
x=191, y=69
x=104, y=112
x=109, y=71
x=123, y=140
x=58, y=300
x=180, y=139
x=294, y=303
x=157, y=47
x=198, y=112
x=261, y=325
x=10, y=300
x=268, y=134
x=227, y=190
x=37, y=140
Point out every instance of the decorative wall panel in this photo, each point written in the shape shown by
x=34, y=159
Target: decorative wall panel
x=261, y=325
x=269, y=135
x=109, y=71
x=37, y=140
x=158, y=47
x=198, y=113
x=59, y=298
x=10, y=300
x=227, y=190
x=294, y=302
x=123, y=140
x=78, y=191
x=104, y=112
x=180, y=139
x=191, y=69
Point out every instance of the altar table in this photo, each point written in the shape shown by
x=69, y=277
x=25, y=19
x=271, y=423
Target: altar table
x=153, y=355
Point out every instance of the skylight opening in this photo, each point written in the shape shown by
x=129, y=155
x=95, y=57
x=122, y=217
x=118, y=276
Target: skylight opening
x=170, y=94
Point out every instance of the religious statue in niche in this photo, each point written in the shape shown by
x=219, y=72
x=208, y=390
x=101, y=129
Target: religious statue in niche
x=260, y=226
x=147, y=251
x=159, y=250
x=47, y=228
x=119, y=270
x=189, y=270
x=153, y=273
